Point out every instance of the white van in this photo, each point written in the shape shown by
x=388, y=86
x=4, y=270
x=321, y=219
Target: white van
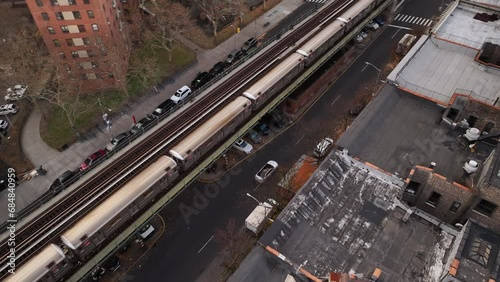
x=146, y=231
x=8, y=109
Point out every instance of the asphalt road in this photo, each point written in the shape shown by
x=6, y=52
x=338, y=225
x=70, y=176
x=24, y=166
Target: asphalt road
x=189, y=245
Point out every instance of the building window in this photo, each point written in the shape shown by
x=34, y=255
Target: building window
x=90, y=13
x=485, y=208
x=95, y=27
x=56, y=43
x=74, y=54
x=81, y=28
x=54, y=3
x=62, y=56
x=98, y=39
x=433, y=199
x=70, y=42
x=454, y=207
x=86, y=41
x=77, y=15
x=86, y=1
x=59, y=16
x=39, y=3
x=72, y=2
x=51, y=30
x=45, y=16
x=65, y=29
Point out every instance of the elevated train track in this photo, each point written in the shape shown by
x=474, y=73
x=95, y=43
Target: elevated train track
x=50, y=224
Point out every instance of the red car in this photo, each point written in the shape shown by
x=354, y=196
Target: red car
x=92, y=159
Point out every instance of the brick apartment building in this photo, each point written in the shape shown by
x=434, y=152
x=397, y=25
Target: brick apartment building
x=475, y=196
x=87, y=39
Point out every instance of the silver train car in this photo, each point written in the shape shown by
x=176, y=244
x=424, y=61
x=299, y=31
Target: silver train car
x=90, y=231
x=49, y=265
x=206, y=136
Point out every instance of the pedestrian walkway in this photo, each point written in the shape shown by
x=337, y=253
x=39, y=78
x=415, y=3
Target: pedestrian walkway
x=413, y=20
x=57, y=162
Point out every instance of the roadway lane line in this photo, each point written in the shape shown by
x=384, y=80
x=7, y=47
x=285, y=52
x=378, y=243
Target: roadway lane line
x=400, y=27
x=395, y=33
x=334, y=101
x=257, y=187
x=300, y=139
x=206, y=244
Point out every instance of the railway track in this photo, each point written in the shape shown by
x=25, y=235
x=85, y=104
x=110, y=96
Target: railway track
x=50, y=224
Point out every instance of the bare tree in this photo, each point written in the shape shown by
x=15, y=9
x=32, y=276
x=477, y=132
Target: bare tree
x=215, y=10
x=143, y=69
x=236, y=241
x=166, y=21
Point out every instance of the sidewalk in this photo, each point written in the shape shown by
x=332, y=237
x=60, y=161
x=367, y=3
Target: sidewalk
x=57, y=162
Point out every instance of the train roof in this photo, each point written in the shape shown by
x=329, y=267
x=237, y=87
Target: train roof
x=112, y=206
x=326, y=33
x=270, y=79
x=37, y=266
x=209, y=128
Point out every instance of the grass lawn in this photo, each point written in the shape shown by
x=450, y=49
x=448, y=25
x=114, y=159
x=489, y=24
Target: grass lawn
x=55, y=128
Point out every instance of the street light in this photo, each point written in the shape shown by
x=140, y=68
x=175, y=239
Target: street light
x=379, y=71
x=234, y=36
x=248, y=194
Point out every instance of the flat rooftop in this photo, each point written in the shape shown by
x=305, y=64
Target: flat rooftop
x=344, y=219
x=399, y=130
x=443, y=63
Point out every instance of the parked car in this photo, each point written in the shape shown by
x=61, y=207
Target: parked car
x=97, y=273
x=63, y=181
x=112, y=263
x=373, y=25
x=249, y=44
x=92, y=159
x=359, y=38
x=163, y=107
x=278, y=120
x=4, y=125
x=217, y=69
x=242, y=145
x=15, y=93
x=146, y=231
x=254, y=136
x=379, y=21
x=119, y=139
x=356, y=109
x=323, y=147
x=363, y=34
x=234, y=56
x=262, y=128
x=8, y=109
x=138, y=128
x=266, y=171
x=181, y=94
x=201, y=79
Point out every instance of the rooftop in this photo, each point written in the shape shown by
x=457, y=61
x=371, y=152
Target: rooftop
x=400, y=130
x=343, y=219
x=444, y=63
x=477, y=254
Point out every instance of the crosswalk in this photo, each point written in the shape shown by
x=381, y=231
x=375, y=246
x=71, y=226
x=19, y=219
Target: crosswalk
x=317, y=1
x=413, y=20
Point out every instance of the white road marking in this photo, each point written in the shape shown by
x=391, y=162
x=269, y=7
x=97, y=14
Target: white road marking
x=414, y=20
x=256, y=187
x=206, y=244
x=395, y=33
x=334, y=101
x=428, y=23
x=300, y=139
x=404, y=18
x=401, y=27
x=397, y=17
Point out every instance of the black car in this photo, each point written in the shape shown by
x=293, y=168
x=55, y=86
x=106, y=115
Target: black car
x=63, y=181
x=138, y=128
x=262, y=128
x=218, y=68
x=113, y=263
x=249, y=44
x=201, y=79
x=163, y=107
x=234, y=56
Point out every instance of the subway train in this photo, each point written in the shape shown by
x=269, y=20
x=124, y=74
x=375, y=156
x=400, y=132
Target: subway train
x=85, y=236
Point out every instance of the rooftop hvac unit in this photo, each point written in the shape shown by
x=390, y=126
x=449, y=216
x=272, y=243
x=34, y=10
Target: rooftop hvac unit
x=471, y=166
x=472, y=134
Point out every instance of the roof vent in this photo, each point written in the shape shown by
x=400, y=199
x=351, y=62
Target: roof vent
x=472, y=134
x=471, y=166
